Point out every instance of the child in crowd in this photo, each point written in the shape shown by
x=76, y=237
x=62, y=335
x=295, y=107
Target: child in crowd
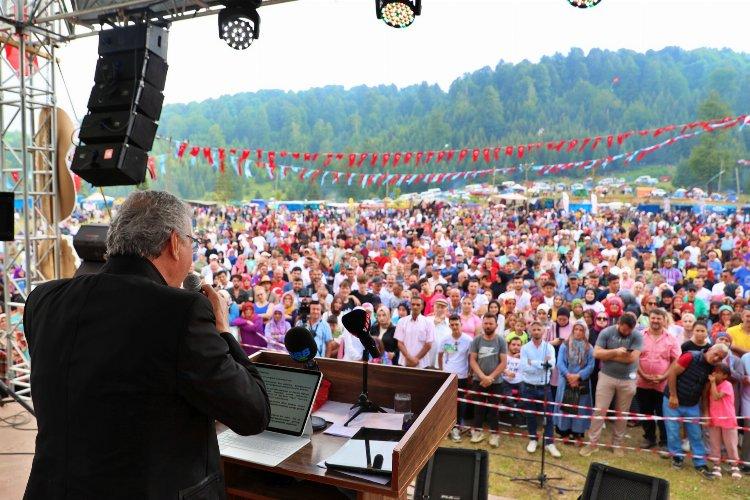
x=722, y=428
x=699, y=340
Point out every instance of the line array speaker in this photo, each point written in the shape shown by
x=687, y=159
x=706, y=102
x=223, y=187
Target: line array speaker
x=124, y=106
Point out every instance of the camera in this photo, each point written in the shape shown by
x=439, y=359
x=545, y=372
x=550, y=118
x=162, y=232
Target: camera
x=304, y=306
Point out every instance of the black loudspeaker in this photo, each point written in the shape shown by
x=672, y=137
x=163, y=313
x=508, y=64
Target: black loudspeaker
x=125, y=103
x=454, y=473
x=7, y=216
x=138, y=130
x=110, y=164
x=608, y=483
x=134, y=37
x=132, y=65
x=90, y=243
x=127, y=95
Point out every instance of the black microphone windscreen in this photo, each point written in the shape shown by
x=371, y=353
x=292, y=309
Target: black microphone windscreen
x=300, y=344
x=357, y=322
x=192, y=282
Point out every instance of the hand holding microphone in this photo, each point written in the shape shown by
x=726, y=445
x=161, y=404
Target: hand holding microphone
x=194, y=283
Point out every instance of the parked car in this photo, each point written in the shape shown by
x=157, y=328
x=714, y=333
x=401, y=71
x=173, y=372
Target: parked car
x=658, y=193
x=679, y=193
x=627, y=190
x=646, y=180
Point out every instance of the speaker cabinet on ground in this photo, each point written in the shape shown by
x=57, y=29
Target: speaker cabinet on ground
x=7, y=216
x=110, y=164
x=454, y=473
x=608, y=483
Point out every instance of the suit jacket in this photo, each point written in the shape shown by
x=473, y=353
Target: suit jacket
x=129, y=375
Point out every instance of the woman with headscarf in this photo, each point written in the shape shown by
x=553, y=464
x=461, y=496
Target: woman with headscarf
x=723, y=322
x=575, y=363
x=613, y=307
x=666, y=299
x=590, y=302
x=251, y=329
x=576, y=310
x=384, y=330
x=276, y=328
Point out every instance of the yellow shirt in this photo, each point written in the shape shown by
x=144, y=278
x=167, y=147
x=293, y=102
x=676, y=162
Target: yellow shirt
x=739, y=337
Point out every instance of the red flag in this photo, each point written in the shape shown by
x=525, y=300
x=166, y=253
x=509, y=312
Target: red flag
x=597, y=140
x=486, y=154
x=407, y=157
x=508, y=150
x=339, y=156
x=208, y=156
x=260, y=154
x=315, y=156
x=241, y=161
x=475, y=155
x=352, y=159
x=302, y=174
x=282, y=153
x=450, y=155
x=430, y=155
x=585, y=143
x=440, y=156
x=306, y=156
x=520, y=150
x=362, y=158
x=181, y=151
x=462, y=154
x=396, y=159
x=373, y=160
x=384, y=160
x=151, y=166
x=272, y=159
x=394, y=180
x=328, y=160
x=496, y=154
x=559, y=146
x=572, y=144
x=418, y=159
x=222, y=160
x=295, y=155
x=195, y=151
x=610, y=141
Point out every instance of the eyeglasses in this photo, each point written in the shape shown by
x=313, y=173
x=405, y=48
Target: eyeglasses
x=651, y=303
x=601, y=319
x=196, y=242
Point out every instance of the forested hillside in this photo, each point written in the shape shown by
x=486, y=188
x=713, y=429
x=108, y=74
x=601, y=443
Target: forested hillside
x=560, y=97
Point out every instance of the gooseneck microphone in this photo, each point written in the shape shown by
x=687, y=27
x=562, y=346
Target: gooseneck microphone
x=300, y=344
x=192, y=282
x=357, y=322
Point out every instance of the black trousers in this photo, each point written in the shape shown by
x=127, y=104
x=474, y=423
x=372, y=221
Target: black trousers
x=650, y=402
x=481, y=412
x=463, y=383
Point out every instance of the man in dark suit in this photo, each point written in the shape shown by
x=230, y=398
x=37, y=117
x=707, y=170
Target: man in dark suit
x=130, y=371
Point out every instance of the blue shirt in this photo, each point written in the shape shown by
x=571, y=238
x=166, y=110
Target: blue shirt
x=322, y=334
x=532, y=359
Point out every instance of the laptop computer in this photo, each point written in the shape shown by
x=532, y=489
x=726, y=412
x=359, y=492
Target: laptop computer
x=291, y=393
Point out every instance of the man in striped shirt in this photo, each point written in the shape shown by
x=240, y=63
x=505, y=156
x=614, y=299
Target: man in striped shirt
x=671, y=274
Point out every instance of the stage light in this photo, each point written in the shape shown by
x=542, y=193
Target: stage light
x=398, y=13
x=584, y=4
x=239, y=24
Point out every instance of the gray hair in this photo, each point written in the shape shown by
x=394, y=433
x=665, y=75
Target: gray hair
x=721, y=347
x=145, y=222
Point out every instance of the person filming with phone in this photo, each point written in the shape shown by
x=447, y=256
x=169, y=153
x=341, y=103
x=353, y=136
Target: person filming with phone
x=131, y=372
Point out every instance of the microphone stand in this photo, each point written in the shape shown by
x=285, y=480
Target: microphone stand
x=363, y=404
x=542, y=477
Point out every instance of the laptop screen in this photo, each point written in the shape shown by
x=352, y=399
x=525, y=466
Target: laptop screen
x=291, y=392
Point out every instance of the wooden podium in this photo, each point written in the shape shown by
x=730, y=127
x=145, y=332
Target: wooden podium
x=433, y=402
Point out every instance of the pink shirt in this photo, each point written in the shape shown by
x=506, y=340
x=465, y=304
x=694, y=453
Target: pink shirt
x=723, y=407
x=656, y=355
x=469, y=326
x=415, y=334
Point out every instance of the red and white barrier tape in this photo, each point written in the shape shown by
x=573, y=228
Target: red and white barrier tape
x=618, y=415
x=601, y=445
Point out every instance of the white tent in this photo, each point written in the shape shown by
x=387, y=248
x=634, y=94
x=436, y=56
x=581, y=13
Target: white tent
x=98, y=197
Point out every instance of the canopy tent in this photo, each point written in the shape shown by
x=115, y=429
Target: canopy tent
x=98, y=198
x=509, y=197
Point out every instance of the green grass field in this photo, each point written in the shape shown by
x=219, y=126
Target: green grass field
x=511, y=459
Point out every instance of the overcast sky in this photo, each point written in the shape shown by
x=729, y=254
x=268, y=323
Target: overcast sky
x=312, y=43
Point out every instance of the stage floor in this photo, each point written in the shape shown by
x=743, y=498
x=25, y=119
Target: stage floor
x=14, y=469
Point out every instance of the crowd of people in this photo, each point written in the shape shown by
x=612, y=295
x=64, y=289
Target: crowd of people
x=593, y=313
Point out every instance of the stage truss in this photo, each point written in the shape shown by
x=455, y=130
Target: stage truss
x=36, y=28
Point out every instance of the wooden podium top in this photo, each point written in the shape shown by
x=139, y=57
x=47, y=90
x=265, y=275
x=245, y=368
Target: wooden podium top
x=433, y=401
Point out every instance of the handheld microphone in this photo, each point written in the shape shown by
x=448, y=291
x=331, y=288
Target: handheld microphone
x=357, y=322
x=192, y=282
x=301, y=346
